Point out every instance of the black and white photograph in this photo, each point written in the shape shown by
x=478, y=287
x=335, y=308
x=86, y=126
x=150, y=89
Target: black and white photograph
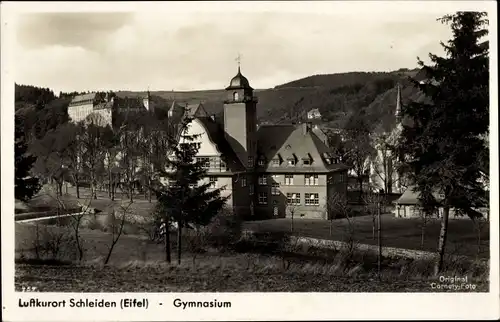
x=239, y=147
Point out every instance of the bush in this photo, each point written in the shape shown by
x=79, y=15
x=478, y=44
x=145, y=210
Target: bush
x=224, y=230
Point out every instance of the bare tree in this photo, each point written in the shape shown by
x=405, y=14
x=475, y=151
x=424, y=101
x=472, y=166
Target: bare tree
x=359, y=149
x=337, y=208
x=372, y=202
x=479, y=224
x=291, y=209
x=424, y=220
x=117, y=223
x=93, y=146
x=130, y=159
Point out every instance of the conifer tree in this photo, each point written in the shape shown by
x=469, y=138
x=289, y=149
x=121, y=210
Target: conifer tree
x=26, y=186
x=446, y=135
x=187, y=199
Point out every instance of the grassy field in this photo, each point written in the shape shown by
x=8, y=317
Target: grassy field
x=139, y=207
x=396, y=232
x=137, y=265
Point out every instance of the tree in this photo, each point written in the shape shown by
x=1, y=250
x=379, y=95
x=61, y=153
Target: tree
x=384, y=163
x=50, y=152
x=129, y=158
x=291, y=209
x=359, y=149
x=118, y=220
x=446, y=137
x=72, y=154
x=373, y=201
x=187, y=199
x=26, y=186
x=93, y=146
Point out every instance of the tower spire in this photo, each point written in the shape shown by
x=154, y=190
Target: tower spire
x=398, y=104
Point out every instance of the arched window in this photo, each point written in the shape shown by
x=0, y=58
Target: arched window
x=235, y=96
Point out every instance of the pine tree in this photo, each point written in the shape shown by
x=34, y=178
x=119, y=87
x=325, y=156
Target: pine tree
x=26, y=186
x=186, y=199
x=446, y=137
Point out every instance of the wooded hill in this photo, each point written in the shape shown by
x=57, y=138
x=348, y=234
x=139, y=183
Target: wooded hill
x=337, y=96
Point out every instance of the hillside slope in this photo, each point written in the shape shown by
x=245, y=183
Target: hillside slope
x=337, y=96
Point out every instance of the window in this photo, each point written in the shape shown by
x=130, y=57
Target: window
x=275, y=189
x=291, y=161
x=276, y=162
x=293, y=198
x=288, y=179
x=205, y=162
x=235, y=96
x=262, y=162
x=306, y=161
x=311, y=180
x=243, y=181
x=213, y=181
x=214, y=163
x=250, y=161
x=263, y=180
x=263, y=198
x=312, y=199
x=342, y=177
x=251, y=190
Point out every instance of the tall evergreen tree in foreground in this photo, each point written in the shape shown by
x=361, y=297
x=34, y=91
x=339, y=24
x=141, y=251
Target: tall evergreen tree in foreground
x=186, y=200
x=448, y=132
x=26, y=186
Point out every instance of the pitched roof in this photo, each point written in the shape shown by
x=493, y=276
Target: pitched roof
x=83, y=97
x=294, y=141
x=320, y=134
x=216, y=135
x=410, y=197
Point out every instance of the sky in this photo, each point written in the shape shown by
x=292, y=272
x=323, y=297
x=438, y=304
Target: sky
x=191, y=49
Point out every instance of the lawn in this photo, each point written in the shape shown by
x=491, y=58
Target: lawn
x=396, y=232
x=45, y=199
x=137, y=265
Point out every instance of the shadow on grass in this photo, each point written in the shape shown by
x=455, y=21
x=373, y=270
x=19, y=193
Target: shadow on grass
x=46, y=262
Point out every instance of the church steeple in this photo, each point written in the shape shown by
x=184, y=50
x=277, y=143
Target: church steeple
x=398, y=104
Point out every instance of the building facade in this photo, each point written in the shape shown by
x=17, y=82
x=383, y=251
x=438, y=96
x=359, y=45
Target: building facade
x=104, y=107
x=269, y=171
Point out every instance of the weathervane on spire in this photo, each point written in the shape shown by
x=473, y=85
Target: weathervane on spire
x=238, y=59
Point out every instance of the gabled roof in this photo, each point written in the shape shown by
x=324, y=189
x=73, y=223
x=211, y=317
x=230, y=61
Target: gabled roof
x=293, y=141
x=83, y=97
x=216, y=135
x=195, y=110
x=410, y=197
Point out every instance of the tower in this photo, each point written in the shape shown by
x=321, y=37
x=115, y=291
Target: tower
x=398, y=106
x=147, y=100
x=240, y=119
x=395, y=161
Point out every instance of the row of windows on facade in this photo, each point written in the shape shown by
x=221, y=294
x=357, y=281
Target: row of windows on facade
x=310, y=199
x=309, y=179
x=291, y=161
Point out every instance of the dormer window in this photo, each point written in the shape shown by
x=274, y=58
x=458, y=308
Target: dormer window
x=307, y=160
x=262, y=162
x=276, y=162
x=292, y=161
